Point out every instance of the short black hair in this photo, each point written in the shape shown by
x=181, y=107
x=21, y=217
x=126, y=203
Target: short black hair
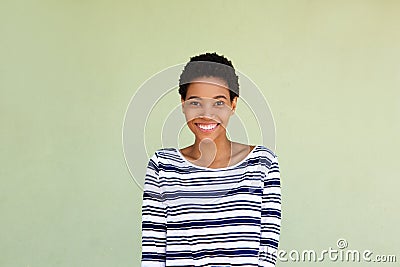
x=223, y=69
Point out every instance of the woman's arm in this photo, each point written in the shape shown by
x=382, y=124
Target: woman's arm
x=153, y=218
x=270, y=216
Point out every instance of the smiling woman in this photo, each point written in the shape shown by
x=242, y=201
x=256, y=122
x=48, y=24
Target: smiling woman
x=216, y=202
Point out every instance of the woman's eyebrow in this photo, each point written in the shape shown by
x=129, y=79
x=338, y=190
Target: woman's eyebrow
x=215, y=97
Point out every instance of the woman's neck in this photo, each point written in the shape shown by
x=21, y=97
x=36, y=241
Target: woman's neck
x=208, y=150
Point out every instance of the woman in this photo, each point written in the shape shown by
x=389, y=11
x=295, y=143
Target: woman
x=216, y=202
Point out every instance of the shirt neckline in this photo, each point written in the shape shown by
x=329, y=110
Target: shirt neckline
x=215, y=169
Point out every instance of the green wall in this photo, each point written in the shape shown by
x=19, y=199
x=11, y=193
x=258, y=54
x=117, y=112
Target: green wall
x=330, y=71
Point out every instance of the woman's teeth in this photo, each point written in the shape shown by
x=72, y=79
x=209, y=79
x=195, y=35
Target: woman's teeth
x=207, y=127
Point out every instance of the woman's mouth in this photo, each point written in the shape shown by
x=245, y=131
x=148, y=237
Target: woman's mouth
x=207, y=127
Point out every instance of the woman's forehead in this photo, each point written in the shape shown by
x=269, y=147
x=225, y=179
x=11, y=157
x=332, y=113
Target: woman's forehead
x=208, y=87
x=206, y=91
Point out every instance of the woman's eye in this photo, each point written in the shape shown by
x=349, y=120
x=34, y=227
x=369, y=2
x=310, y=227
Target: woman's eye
x=194, y=103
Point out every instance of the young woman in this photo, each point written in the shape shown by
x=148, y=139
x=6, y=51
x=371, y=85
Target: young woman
x=216, y=202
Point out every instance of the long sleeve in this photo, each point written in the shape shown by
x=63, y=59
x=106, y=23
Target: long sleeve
x=153, y=218
x=270, y=216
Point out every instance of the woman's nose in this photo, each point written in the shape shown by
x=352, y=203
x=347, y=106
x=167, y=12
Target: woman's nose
x=208, y=110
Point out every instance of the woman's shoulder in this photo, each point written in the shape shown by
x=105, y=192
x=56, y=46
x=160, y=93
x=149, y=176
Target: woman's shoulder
x=167, y=154
x=257, y=149
x=267, y=150
x=162, y=152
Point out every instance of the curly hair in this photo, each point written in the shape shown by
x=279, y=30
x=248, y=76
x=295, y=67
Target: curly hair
x=220, y=67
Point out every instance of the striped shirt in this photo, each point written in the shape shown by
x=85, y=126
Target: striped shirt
x=206, y=217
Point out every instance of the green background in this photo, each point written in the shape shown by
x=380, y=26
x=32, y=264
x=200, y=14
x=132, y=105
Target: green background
x=68, y=69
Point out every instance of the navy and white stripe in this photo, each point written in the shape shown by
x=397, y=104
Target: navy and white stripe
x=203, y=217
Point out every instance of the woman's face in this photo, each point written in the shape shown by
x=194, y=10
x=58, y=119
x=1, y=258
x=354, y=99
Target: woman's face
x=207, y=107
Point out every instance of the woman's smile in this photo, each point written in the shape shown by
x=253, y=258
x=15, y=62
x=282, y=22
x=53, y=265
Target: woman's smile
x=207, y=127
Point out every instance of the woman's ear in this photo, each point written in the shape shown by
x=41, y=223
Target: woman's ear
x=234, y=104
x=183, y=104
